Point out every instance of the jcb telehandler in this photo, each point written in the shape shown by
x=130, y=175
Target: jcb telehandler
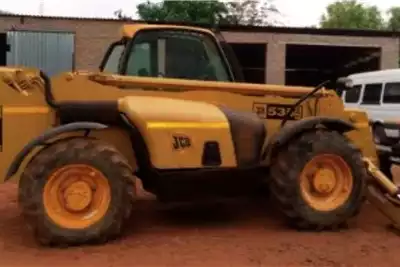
x=165, y=108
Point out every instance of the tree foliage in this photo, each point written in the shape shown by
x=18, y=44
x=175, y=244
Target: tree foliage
x=352, y=14
x=210, y=11
x=394, y=19
x=242, y=12
x=250, y=12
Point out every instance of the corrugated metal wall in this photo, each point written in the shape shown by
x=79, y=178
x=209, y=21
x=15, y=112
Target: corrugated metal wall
x=53, y=52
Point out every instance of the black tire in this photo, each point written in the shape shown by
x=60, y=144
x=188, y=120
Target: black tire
x=285, y=185
x=91, y=152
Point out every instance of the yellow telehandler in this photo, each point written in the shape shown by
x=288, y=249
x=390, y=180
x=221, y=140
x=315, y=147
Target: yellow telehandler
x=166, y=108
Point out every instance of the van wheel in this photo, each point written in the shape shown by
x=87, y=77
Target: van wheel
x=378, y=133
x=318, y=180
x=76, y=191
x=385, y=165
x=380, y=136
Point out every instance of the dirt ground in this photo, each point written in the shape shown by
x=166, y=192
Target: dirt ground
x=239, y=233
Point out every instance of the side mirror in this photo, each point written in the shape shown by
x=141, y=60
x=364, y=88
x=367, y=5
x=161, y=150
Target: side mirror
x=344, y=84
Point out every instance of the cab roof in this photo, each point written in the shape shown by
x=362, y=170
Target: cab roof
x=129, y=30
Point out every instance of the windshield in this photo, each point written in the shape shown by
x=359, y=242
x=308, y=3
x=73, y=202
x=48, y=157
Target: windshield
x=113, y=59
x=176, y=54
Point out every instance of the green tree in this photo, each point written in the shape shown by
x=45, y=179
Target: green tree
x=243, y=12
x=210, y=11
x=393, y=23
x=351, y=14
x=394, y=19
x=251, y=12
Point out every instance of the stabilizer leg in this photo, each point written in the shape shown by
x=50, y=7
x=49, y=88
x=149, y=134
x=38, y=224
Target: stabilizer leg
x=384, y=195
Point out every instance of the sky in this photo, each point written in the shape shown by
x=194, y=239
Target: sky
x=293, y=12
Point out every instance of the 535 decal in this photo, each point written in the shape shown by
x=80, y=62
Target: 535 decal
x=277, y=111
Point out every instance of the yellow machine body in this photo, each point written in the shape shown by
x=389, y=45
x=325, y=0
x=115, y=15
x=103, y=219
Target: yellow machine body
x=194, y=111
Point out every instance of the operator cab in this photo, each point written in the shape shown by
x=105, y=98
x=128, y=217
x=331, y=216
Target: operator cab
x=177, y=52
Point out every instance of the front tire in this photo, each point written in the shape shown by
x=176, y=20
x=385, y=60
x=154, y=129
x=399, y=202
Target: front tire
x=76, y=191
x=318, y=180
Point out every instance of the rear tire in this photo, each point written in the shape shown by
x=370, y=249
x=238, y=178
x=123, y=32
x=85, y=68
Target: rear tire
x=290, y=186
x=76, y=191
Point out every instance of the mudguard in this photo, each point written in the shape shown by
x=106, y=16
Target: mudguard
x=291, y=130
x=49, y=134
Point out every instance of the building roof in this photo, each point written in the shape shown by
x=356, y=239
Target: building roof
x=239, y=28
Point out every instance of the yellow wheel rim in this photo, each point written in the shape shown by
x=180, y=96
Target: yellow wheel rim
x=76, y=196
x=326, y=182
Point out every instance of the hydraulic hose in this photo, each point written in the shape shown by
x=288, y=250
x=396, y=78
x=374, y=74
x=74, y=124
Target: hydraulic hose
x=48, y=93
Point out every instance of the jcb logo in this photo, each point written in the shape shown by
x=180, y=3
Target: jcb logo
x=260, y=109
x=180, y=142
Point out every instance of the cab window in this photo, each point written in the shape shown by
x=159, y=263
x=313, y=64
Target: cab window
x=141, y=65
x=176, y=54
x=113, y=59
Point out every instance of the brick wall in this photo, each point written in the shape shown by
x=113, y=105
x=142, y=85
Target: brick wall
x=92, y=38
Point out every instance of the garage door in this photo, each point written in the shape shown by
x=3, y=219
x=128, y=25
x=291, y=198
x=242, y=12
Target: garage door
x=53, y=52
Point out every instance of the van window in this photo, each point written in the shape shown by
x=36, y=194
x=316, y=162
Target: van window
x=353, y=95
x=372, y=94
x=391, y=93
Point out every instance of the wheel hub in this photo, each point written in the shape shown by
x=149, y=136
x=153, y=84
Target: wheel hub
x=324, y=181
x=77, y=196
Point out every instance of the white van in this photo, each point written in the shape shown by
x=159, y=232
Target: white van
x=378, y=93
